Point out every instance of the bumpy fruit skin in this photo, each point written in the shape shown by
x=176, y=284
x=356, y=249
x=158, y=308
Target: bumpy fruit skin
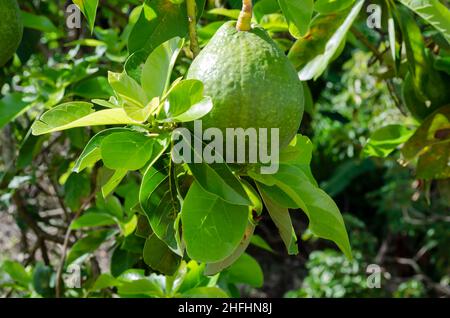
x=251, y=83
x=11, y=29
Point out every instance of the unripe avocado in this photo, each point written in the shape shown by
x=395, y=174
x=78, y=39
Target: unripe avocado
x=11, y=29
x=251, y=82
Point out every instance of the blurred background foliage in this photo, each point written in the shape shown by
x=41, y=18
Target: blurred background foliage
x=395, y=220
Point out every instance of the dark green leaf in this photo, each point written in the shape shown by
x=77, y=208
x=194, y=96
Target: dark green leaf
x=126, y=150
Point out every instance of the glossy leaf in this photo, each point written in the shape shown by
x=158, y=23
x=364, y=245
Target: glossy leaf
x=428, y=134
x=11, y=106
x=314, y=51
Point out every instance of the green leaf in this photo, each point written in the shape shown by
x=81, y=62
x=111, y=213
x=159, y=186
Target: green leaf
x=87, y=245
x=432, y=11
x=93, y=219
x=330, y=6
x=229, y=13
x=114, y=181
x=261, y=243
x=385, y=140
x=212, y=228
x=159, y=21
x=280, y=216
x=126, y=150
x=105, y=281
x=314, y=52
x=186, y=102
x=76, y=189
x=160, y=204
x=434, y=164
x=91, y=153
x=246, y=270
x=11, y=106
x=298, y=12
x=427, y=134
x=92, y=88
x=325, y=219
x=136, y=103
x=217, y=179
x=431, y=143
x=38, y=22
x=158, y=68
x=299, y=154
x=159, y=257
x=122, y=260
x=345, y=174
x=148, y=286
x=424, y=88
x=78, y=114
x=264, y=7
x=89, y=9
x=17, y=272
x=214, y=268
x=275, y=22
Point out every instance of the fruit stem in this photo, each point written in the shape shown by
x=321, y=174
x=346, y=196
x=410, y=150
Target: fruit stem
x=192, y=16
x=245, y=18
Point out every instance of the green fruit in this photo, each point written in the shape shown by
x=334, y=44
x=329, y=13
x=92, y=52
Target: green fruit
x=11, y=29
x=251, y=82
